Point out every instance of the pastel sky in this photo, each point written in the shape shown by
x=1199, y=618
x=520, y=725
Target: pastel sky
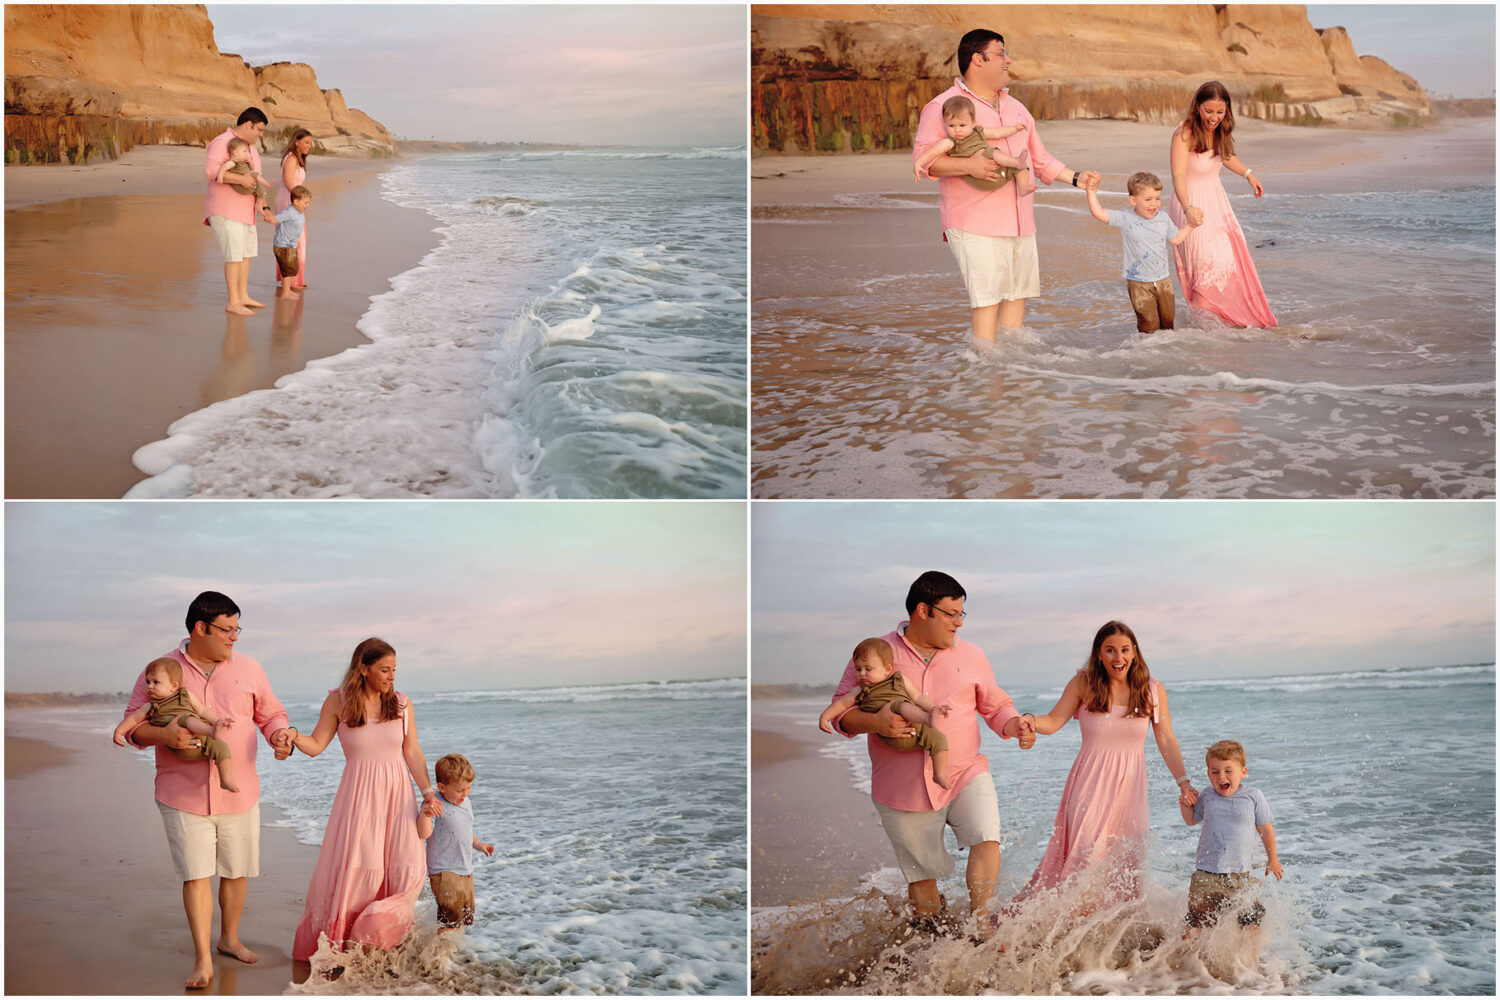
x=472, y=595
x=1448, y=48
x=1211, y=588
x=580, y=74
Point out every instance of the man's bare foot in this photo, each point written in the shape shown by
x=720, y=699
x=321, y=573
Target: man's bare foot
x=238, y=310
x=200, y=977
x=254, y=304
x=236, y=949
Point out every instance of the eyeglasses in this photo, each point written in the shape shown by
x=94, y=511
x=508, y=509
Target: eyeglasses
x=1002, y=55
x=954, y=615
x=227, y=631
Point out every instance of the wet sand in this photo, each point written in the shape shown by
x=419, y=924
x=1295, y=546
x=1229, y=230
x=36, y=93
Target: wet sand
x=114, y=306
x=812, y=837
x=92, y=905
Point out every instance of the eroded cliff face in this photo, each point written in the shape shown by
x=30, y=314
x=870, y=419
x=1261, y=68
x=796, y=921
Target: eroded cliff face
x=835, y=77
x=95, y=80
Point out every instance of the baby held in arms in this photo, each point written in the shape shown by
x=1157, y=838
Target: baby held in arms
x=880, y=685
x=966, y=138
x=170, y=700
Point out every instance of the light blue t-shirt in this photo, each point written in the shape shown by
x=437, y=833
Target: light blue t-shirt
x=289, y=223
x=1145, y=243
x=451, y=846
x=1229, y=840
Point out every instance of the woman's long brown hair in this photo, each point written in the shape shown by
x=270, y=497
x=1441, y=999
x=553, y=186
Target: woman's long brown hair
x=1096, y=678
x=291, y=147
x=366, y=655
x=1200, y=139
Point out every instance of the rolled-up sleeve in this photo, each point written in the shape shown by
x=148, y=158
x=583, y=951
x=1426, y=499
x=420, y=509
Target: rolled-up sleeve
x=1044, y=164
x=993, y=704
x=138, y=697
x=270, y=715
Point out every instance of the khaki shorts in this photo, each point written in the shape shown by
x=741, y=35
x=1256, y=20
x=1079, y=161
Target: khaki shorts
x=917, y=837
x=996, y=268
x=1210, y=893
x=1154, y=304
x=455, y=898
x=226, y=845
x=237, y=241
x=288, y=260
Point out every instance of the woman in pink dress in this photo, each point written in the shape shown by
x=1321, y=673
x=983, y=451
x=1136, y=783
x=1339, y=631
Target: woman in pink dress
x=1103, y=816
x=293, y=173
x=1213, y=264
x=372, y=865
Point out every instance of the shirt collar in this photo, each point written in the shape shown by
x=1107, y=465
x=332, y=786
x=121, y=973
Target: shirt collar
x=958, y=81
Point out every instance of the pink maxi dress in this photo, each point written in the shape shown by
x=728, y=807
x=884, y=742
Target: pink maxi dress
x=1103, y=807
x=1213, y=263
x=372, y=865
x=283, y=199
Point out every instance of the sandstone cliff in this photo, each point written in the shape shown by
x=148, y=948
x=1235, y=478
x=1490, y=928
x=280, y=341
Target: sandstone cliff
x=836, y=77
x=95, y=80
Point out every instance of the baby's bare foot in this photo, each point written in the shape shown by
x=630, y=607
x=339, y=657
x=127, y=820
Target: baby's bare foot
x=941, y=779
x=1024, y=184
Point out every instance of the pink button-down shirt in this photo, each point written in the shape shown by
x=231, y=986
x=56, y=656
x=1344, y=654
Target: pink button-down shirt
x=234, y=203
x=960, y=676
x=974, y=210
x=238, y=688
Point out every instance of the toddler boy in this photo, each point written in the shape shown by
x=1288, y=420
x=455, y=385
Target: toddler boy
x=1232, y=814
x=289, y=223
x=1145, y=235
x=451, y=843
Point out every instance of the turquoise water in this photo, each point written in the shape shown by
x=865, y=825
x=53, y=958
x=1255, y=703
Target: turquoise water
x=618, y=818
x=579, y=333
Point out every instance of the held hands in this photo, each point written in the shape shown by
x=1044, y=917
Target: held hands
x=1090, y=183
x=432, y=805
x=1026, y=731
x=1273, y=867
x=1194, y=215
x=281, y=742
x=1189, y=796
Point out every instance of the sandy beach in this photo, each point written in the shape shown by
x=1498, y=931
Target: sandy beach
x=114, y=306
x=812, y=837
x=92, y=905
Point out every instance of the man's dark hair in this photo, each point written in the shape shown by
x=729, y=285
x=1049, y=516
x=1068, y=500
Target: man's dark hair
x=259, y=117
x=974, y=42
x=931, y=587
x=207, y=606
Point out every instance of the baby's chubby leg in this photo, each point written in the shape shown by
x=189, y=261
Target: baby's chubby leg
x=226, y=775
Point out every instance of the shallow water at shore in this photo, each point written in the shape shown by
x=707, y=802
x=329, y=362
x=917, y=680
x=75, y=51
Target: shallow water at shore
x=1389, y=883
x=579, y=333
x=1379, y=382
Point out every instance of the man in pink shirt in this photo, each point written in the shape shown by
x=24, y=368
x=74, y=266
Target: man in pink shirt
x=992, y=232
x=913, y=808
x=229, y=209
x=212, y=831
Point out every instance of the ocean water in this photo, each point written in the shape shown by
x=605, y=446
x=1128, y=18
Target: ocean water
x=579, y=332
x=618, y=819
x=1378, y=383
x=1382, y=786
